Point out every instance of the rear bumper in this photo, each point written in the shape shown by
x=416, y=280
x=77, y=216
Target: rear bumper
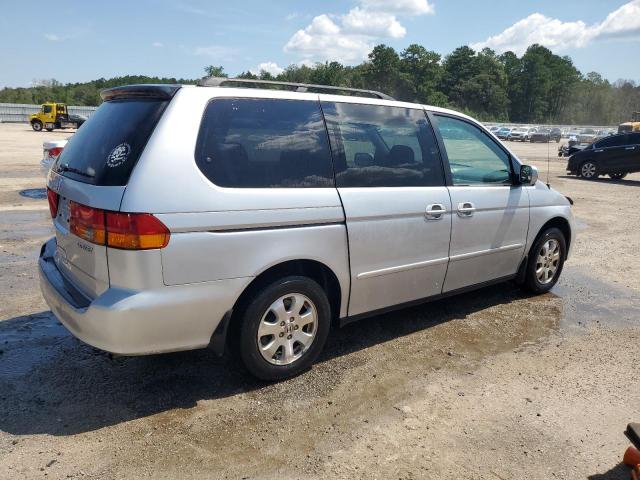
x=130, y=322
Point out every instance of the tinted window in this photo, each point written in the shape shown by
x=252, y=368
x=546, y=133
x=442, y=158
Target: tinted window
x=107, y=147
x=473, y=157
x=614, y=141
x=47, y=109
x=380, y=146
x=264, y=143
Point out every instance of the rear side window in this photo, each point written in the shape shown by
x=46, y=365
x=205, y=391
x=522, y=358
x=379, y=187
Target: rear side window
x=614, y=141
x=105, y=150
x=264, y=143
x=381, y=146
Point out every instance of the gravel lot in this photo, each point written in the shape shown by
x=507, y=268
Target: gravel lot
x=492, y=385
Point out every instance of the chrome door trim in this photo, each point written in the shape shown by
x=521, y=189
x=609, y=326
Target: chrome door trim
x=401, y=268
x=505, y=248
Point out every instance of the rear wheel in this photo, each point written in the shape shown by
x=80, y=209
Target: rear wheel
x=617, y=176
x=546, y=260
x=284, y=328
x=37, y=125
x=589, y=170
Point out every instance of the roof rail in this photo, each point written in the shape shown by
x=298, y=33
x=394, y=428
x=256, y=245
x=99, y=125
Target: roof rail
x=297, y=87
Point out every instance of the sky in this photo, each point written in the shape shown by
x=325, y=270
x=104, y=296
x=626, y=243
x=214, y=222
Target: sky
x=76, y=41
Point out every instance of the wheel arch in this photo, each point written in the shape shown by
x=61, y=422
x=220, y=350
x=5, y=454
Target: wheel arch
x=317, y=271
x=561, y=224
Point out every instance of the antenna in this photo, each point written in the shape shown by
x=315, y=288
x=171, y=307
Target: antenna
x=548, y=159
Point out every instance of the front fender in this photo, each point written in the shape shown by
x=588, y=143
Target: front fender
x=546, y=204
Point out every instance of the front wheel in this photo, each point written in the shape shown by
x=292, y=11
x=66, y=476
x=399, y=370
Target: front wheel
x=37, y=126
x=284, y=328
x=546, y=260
x=617, y=176
x=589, y=170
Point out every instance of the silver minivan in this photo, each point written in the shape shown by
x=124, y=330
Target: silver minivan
x=224, y=214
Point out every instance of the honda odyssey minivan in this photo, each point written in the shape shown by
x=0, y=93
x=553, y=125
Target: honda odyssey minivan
x=225, y=214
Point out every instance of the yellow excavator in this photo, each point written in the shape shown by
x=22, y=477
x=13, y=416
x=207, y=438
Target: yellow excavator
x=632, y=126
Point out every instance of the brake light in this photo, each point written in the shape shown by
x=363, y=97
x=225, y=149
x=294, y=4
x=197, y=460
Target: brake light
x=53, y=198
x=136, y=231
x=87, y=223
x=128, y=231
x=55, y=151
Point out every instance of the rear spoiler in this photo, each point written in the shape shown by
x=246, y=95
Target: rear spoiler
x=161, y=92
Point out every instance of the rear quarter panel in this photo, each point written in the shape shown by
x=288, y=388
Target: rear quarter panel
x=222, y=233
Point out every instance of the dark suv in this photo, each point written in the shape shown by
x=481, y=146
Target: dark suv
x=616, y=156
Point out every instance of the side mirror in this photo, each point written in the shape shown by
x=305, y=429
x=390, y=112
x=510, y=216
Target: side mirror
x=528, y=175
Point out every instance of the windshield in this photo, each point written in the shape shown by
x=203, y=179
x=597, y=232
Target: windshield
x=107, y=147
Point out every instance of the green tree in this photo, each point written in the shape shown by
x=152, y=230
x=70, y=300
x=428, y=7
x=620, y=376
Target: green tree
x=420, y=75
x=215, y=71
x=382, y=72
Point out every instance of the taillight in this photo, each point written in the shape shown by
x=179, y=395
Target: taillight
x=53, y=198
x=87, y=223
x=136, y=231
x=128, y=231
x=55, y=151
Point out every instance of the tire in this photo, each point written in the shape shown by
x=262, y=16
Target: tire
x=37, y=126
x=589, y=170
x=272, y=328
x=617, y=176
x=544, y=269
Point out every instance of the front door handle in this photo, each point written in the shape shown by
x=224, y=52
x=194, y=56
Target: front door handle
x=599, y=150
x=466, y=209
x=435, y=211
x=630, y=148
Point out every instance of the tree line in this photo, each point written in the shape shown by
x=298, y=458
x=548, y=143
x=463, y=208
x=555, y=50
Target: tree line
x=538, y=87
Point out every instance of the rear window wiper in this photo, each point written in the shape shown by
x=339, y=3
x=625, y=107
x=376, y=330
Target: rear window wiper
x=67, y=168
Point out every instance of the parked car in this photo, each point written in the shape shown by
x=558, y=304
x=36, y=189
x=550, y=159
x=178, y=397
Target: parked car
x=542, y=135
x=51, y=150
x=195, y=216
x=502, y=133
x=521, y=134
x=495, y=128
x=616, y=156
x=555, y=134
x=587, y=135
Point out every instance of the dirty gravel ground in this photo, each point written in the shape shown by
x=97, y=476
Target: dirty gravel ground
x=494, y=384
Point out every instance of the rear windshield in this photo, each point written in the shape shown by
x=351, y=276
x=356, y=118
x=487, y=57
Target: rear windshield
x=106, y=148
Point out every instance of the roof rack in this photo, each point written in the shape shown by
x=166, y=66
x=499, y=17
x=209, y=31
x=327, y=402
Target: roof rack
x=297, y=87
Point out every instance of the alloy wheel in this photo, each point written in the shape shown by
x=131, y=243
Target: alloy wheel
x=548, y=261
x=287, y=329
x=588, y=170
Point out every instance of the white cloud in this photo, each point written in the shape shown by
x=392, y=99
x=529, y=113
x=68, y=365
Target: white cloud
x=558, y=35
x=270, y=67
x=380, y=24
x=157, y=44
x=52, y=37
x=349, y=37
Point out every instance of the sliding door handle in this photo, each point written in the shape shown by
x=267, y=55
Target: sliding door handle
x=466, y=209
